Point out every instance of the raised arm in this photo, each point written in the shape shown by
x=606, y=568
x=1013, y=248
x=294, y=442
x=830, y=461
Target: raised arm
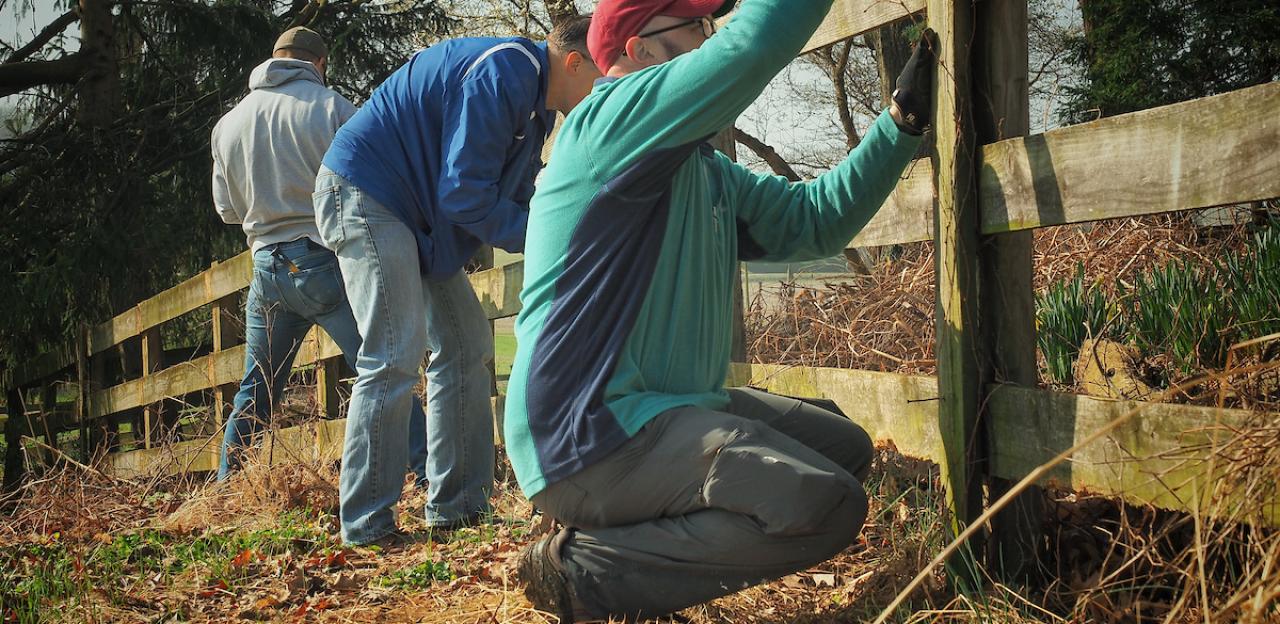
x=818, y=218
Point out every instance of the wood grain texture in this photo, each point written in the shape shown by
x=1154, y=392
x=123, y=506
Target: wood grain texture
x=956, y=254
x=849, y=18
x=1208, y=152
x=1008, y=324
x=907, y=216
x=1162, y=457
x=220, y=280
x=902, y=409
x=499, y=289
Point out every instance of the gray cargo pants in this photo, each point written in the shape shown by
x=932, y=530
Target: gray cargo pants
x=702, y=503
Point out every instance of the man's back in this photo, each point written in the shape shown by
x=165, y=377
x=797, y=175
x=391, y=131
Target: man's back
x=448, y=139
x=634, y=235
x=267, y=150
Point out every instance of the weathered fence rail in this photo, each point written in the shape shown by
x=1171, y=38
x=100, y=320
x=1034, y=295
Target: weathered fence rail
x=986, y=186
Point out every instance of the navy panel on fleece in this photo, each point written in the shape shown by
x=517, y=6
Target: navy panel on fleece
x=610, y=263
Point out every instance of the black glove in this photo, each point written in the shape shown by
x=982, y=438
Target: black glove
x=914, y=92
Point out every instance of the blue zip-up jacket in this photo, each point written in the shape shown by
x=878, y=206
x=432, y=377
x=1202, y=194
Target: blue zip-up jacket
x=451, y=143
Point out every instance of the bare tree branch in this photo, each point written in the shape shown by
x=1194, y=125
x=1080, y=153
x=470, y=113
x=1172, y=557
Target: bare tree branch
x=46, y=35
x=561, y=10
x=766, y=153
x=841, y=64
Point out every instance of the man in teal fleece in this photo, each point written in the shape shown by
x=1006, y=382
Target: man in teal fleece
x=674, y=490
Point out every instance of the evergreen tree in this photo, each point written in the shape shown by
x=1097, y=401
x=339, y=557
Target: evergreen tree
x=1139, y=54
x=105, y=171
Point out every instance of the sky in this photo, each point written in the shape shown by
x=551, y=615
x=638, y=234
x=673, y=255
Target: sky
x=19, y=23
x=798, y=130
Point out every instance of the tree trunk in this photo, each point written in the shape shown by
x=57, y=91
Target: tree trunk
x=100, y=87
x=892, y=51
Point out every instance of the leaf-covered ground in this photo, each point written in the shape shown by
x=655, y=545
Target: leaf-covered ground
x=79, y=546
x=82, y=547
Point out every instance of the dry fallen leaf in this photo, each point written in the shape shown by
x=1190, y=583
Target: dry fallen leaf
x=213, y=590
x=241, y=560
x=346, y=581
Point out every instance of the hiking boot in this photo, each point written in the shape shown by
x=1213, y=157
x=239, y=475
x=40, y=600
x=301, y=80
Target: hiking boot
x=546, y=585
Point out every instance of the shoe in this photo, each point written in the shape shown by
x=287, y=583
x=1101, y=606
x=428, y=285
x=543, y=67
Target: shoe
x=393, y=542
x=546, y=586
x=475, y=519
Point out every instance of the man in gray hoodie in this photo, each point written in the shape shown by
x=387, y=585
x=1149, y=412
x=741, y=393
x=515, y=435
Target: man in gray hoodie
x=266, y=152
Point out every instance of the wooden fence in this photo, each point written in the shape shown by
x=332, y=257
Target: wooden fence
x=978, y=197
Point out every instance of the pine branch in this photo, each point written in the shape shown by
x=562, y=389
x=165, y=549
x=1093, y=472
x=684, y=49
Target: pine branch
x=46, y=35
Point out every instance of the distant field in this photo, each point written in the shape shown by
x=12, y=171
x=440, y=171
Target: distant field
x=504, y=352
x=759, y=274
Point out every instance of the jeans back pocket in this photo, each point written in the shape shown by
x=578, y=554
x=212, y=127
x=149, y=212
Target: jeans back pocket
x=319, y=284
x=327, y=201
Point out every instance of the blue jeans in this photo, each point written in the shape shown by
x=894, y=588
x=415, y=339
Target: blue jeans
x=282, y=306
x=401, y=315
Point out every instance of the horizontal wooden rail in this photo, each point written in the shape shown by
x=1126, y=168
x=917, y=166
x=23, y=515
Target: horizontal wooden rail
x=43, y=366
x=36, y=423
x=907, y=216
x=1161, y=457
x=849, y=18
x=1199, y=154
x=1208, y=152
x=317, y=440
x=498, y=289
x=220, y=280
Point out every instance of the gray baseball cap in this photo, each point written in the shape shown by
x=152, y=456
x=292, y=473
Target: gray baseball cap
x=302, y=38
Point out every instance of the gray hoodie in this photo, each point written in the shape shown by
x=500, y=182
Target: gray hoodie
x=267, y=149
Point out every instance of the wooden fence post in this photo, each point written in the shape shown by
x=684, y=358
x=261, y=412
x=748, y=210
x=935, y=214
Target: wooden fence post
x=48, y=412
x=328, y=375
x=956, y=240
x=1001, y=111
x=13, y=427
x=97, y=363
x=153, y=416
x=88, y=441
x=483, y=260
x=225, y=336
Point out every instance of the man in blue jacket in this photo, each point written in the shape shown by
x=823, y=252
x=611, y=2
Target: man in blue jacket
x=440, y=160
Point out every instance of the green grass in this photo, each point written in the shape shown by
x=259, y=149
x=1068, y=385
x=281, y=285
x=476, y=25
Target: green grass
x=420, y=576
x=54, y=574
x=504, y=353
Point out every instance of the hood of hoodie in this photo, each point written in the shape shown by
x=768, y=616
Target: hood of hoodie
x=277, y=71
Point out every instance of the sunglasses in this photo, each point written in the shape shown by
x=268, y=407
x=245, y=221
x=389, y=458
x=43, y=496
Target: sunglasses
x=708, y=27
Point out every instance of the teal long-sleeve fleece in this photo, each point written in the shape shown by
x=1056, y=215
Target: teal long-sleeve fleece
x=635, y=231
